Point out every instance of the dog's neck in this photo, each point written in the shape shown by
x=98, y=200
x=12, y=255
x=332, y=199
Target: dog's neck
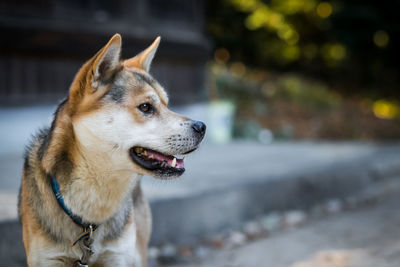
x=98, y=188
x=92, y=179
x=96, y=185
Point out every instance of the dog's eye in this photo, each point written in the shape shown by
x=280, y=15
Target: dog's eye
x=146, y=108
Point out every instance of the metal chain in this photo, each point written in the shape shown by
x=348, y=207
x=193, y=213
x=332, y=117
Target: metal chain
x=86, y=246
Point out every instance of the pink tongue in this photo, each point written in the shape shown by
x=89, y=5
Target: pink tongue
x=160, y=157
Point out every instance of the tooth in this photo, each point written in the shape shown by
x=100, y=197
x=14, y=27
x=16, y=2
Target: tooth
x=138, y=150
x=145, y=153
x=183, y=159
x=173, y=164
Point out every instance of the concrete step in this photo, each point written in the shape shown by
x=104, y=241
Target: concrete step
x=365, y=235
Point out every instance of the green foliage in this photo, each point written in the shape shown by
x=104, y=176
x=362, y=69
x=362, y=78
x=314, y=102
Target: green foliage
x=348, y=43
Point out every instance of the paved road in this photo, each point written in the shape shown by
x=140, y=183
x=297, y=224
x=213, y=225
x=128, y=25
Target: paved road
x=365, y=237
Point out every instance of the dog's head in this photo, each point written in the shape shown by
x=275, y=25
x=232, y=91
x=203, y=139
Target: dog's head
x=120, y=112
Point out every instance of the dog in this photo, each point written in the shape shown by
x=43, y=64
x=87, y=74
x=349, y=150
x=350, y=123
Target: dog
x=81, y=203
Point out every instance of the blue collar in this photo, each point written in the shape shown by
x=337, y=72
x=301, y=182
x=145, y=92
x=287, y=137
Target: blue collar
x=75, y=218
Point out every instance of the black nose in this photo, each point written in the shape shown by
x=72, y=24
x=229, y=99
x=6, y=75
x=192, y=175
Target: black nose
x=199, y=127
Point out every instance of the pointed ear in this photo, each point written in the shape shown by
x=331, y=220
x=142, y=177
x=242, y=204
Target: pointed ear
x=144, y=59
x=94, y=73
x=106, y=60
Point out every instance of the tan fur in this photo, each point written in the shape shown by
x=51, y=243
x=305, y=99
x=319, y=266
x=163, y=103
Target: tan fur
x=143, y=60
x=87, y=150
x=143, y=224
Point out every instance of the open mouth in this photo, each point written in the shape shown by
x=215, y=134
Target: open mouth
x=161, y=164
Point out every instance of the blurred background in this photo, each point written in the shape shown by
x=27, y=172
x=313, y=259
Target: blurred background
x=302, y=104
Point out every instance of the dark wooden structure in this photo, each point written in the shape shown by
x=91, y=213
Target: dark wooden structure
x=44, y=42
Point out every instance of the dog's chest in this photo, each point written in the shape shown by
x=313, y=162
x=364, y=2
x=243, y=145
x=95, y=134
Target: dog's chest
x=118, y=252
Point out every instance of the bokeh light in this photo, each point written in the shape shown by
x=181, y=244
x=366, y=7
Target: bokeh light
x=385, y=109
x=324, y=9
x=290, y=7
x=381, y=38
x=333, y=53
x=291, y=52
x=221, y=55
x=238, y=69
